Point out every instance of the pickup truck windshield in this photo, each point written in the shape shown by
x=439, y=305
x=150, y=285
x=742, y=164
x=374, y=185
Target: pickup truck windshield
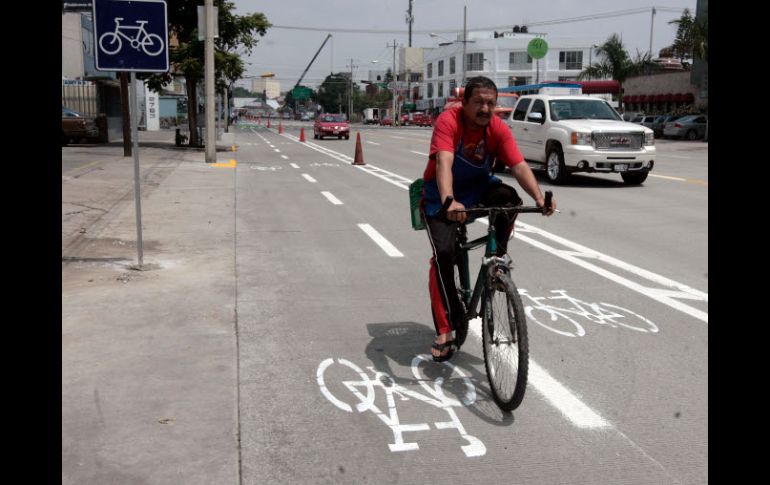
x=581, y=109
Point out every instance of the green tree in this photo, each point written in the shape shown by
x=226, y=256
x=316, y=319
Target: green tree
x=332, y=93
x=615, y=63
x=188, y=58
x=240, y=92
x=684, y=41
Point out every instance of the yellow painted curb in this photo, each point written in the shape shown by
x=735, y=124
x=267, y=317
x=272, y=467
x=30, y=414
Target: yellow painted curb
x=231, y=164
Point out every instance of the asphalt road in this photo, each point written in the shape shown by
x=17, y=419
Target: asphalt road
x=333, y=318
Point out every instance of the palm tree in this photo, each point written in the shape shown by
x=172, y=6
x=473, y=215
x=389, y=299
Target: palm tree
x=615, y=63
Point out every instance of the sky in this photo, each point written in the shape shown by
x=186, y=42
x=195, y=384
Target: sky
x=287, y=52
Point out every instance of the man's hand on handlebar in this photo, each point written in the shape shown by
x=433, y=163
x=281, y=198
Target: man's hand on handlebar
x=548, y=206
x=452, y=215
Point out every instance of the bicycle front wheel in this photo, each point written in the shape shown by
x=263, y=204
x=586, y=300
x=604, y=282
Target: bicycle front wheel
x=506, y=348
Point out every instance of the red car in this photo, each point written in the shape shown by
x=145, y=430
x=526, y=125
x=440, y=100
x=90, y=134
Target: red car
x=331, y=125
x=422, y=119
x=386, y=121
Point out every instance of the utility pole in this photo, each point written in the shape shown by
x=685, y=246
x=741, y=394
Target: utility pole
x=211, y=135
x=393, y=115
x=410, y=20
x=350, y=97
x=465, y=41
x=652, y=22
x=124, y=102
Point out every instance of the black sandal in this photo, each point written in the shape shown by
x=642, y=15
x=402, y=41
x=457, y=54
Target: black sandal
x=450, y=344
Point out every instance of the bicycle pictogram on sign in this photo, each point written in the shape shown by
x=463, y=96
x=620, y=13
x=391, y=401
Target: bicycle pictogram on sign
x=111, y=42
x=131, y=35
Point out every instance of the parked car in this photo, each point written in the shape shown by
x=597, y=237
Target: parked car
x=422, y=119
x=75, y=127
x=386, y=121
x=691, y=127
x=645, y=120
x=329, y=124
x=660, y=123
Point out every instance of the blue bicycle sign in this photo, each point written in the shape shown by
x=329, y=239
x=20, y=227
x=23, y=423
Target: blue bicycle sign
x=131, y=35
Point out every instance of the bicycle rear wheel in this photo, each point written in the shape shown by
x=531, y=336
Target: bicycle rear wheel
x=506, y=348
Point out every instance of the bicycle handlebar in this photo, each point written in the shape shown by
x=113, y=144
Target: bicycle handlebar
x=514, y=209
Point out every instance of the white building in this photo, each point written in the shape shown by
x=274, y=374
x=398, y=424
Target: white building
x=503, y=59
x=270, y=86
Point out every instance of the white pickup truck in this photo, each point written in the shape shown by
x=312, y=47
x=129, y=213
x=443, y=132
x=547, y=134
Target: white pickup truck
x=567, y=134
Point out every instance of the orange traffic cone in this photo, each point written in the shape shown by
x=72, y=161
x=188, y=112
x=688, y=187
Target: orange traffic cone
x=359, y=157
x=280, y=127
x=302, y=134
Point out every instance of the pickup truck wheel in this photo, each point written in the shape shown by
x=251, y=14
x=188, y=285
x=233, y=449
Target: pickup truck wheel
x=555, y=169
x=634, y=178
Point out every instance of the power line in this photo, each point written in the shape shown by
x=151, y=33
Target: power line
x=598, y=16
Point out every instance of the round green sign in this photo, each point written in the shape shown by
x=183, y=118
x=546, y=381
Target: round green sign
x=537, y=48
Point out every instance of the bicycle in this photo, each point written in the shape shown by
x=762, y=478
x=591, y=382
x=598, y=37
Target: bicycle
x=111, y=43
x=503, y=325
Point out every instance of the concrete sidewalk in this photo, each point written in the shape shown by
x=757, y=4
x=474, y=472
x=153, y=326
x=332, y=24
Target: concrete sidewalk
x=149, y=358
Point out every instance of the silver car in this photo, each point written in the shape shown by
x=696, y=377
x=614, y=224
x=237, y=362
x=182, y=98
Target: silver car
x=690, y=127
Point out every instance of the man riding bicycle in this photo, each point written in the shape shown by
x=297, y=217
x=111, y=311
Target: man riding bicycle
x=466, y=139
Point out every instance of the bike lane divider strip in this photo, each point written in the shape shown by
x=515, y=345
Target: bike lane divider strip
x=383, y=243
x=331, y=198
x=294, y=165
x=284, y=157
x=666, y=295
x=309, y=178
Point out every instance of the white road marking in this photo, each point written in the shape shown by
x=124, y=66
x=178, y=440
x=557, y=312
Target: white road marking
x=398, y=137
x=420, y=153
x=294, y=165
x=284, y=157
x=276, y=150
x=372, y=143
x=383, y=243
x=577, y=412
x=332, y=198
x=309, y=178
x=665, y=295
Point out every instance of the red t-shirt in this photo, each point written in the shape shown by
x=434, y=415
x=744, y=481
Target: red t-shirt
x=449, y=129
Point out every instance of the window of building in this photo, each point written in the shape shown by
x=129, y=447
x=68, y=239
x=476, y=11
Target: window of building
x=441, y=89
x=452, y=86
x=571, y=60
x=430, y=89
x=519, y=80
x=430, y=70
x=519, y=61
x=440, y=68
x=451, y=65
x=567, y=78
x=475, y=61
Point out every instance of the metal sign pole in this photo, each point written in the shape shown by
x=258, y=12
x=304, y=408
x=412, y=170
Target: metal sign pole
x=135, y=151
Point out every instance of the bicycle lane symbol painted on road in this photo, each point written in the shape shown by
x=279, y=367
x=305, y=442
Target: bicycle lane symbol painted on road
x=364, y=390
x=560, y=314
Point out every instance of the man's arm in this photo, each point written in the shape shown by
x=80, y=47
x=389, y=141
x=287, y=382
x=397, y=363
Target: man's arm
x=528, y=182
x=444, y=161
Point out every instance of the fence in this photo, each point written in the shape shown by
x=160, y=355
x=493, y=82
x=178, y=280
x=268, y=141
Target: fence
x=82, y=98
